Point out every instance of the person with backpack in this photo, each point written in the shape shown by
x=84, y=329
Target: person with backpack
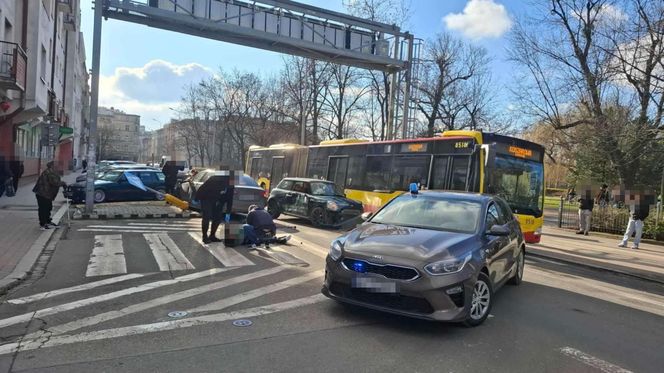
x=46, y=189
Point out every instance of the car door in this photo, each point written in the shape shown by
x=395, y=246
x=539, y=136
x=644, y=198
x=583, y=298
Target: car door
x=150, y=180
x=302, y=200
x=294, y=197
x=118, y=191
x=494, y=246
x=514, y=238
x=279, y=193
x=505, y=256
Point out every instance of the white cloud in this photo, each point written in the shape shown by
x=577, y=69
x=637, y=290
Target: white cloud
x=480, y=19
x=149, y=90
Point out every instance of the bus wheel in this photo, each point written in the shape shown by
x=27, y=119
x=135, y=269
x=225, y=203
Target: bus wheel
x=273, y=209
x=317, y=216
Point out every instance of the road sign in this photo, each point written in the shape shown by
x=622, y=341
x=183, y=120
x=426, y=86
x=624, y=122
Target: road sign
x=50, y=133
x=66, y=130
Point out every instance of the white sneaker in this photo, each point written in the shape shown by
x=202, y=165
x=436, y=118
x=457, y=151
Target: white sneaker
x=622, y=245
x=44, y=227
x=54, y=226
x=635, y=247
x=253, y=246
x=287, y=237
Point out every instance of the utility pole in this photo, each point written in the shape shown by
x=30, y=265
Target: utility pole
x=393, y=95
x=406, y=94
x=94, y=109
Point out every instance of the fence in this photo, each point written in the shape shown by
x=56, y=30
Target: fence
x=609, y=219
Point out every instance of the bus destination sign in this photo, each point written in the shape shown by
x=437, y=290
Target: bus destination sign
x=520, y=152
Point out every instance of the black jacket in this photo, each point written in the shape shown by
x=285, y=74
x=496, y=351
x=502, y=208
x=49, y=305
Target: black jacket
x=261, y=219
x=640, y=212
x=586, y=204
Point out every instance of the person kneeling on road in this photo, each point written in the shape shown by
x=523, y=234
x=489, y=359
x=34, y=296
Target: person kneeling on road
x=260, y=228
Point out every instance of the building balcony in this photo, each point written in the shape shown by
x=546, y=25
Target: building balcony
x=64, y=5
x=13, y=66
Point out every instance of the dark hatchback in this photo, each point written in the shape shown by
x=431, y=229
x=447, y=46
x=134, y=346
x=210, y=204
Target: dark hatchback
x=433, y=255
x=247, y=191
x=113, y=186
x=322, y=202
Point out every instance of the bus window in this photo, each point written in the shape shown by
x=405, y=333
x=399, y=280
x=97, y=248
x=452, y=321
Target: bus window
x=354, y=176
x=459, y=173
x=439, y=172
x=519, y=182
x=277, y=170
x=378, y=173
x=407, y=169
x=255, y=167
x=317, y=162
x=336, y=171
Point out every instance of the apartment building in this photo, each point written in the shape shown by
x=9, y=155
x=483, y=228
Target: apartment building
x=118, y=135
x=43, y=79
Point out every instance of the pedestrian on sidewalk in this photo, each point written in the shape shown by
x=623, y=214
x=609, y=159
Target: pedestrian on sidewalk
x=5, y=175
x=46, y=189
x=585, y=211
x=85, y=165
x=639, y=211
x=16, y=167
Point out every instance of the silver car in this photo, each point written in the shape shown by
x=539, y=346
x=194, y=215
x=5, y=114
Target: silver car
x=432, y=255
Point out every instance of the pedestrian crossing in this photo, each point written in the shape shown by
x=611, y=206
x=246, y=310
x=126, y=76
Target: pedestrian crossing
x=168, y=247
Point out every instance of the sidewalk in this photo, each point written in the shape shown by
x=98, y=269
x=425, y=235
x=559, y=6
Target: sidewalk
x=21, y=241
x=601, y=251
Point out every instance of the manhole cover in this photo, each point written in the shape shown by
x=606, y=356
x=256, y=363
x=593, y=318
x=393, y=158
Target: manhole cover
x=177, y=314
x=242, y=322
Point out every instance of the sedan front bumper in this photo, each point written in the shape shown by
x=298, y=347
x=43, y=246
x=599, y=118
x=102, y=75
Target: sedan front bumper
x=425, y=297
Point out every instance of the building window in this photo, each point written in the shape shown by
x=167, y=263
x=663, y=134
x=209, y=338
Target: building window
x=43, y=64
x=126, y=127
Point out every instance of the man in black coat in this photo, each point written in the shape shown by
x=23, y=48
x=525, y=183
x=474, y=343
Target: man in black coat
x=170, y=171
x=16, y=167
x=215, y=194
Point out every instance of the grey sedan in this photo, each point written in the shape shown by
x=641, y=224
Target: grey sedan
x=432, y=255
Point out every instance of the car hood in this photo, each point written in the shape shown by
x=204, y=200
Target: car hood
x=339, y=200
x=413, y=244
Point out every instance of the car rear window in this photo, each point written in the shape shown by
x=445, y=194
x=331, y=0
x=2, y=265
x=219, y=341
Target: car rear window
x=247, y=181
x=431, y=213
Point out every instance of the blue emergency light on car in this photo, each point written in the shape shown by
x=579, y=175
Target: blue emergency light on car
x=358, y=267
x=413, y=188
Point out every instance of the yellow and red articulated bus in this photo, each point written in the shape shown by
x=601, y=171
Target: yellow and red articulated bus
x=376, y=172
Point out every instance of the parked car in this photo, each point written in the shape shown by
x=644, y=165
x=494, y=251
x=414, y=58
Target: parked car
x=247, y=192
x=102, y=170
x=320, y=201
x=432, y=255
x=113, y=186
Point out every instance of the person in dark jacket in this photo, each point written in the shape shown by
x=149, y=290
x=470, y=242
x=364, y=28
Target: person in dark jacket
x=260, y=222
x=639, y=211
x=170, y=171
x=586, y=205
x=85, y=165
x=46, y=189
x=5, y=175
x=16, y=167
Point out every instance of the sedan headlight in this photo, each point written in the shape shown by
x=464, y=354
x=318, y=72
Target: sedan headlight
x=449, y=266
x=332, y=206
x=336, y=249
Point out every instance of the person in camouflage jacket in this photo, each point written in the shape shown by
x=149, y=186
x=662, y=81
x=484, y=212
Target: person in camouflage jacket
x=46, y=189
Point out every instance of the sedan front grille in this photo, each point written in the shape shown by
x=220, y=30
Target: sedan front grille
x=392, y=301
x=387, y=270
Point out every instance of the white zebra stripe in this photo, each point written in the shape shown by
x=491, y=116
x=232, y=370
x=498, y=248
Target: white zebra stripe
x=107, y=256
x=166, y=253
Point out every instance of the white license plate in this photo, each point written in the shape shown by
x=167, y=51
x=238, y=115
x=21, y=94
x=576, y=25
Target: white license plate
x=375, y=285
x=246, y=197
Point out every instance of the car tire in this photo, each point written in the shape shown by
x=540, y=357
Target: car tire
x=317, y=216
x=520, y=263
x=481, y=301
x=273, y=209
x=99, y=196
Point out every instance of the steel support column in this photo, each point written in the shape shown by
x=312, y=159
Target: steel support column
x=94, y=109
x=406, y=94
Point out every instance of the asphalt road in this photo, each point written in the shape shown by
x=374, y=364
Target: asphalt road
x=88, y=307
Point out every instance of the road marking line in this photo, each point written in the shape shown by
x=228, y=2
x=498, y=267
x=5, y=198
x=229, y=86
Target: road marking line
x=243, y=297
x=592, y=361
x=193, y=225
x=119, y=230
x=107, y=256
x=59, y=340
x=166, y=252
x=106, y=297
x=225, y=255
x=281, y=256
x=133, y=228
x=138, y=307
x=311, y=247
x=73, y=289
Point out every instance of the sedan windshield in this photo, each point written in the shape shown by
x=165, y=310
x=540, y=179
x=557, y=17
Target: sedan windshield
x=325, y=189
x=431, y=213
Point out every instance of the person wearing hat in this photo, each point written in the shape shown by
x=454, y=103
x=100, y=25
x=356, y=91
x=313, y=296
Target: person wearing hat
x=46, y=189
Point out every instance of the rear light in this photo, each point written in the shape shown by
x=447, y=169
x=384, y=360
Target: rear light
x=266, y=194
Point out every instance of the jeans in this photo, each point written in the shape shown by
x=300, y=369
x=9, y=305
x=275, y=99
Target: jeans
x=636, y=227
x=584, y=220
x=44, y=207
x=250, y=236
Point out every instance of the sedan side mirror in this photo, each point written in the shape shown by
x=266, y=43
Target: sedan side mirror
x=499, y=230
x=366, y=216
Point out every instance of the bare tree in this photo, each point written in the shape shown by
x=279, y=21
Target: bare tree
x=342, y=97
x=106, y=137
x=454, y=83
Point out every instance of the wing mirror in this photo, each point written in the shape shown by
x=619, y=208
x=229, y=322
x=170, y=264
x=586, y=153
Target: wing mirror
x=366, y=216
x=499, y=230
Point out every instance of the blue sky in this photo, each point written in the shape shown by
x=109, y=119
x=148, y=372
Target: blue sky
x=144, y=69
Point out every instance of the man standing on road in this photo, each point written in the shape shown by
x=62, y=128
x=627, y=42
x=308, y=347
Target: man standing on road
x=170, y=170
x=46, y=189
x=585, y=211
x=85, y=165
x=639, y=211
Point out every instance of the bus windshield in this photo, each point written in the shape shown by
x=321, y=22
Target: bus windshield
x=520, y=182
